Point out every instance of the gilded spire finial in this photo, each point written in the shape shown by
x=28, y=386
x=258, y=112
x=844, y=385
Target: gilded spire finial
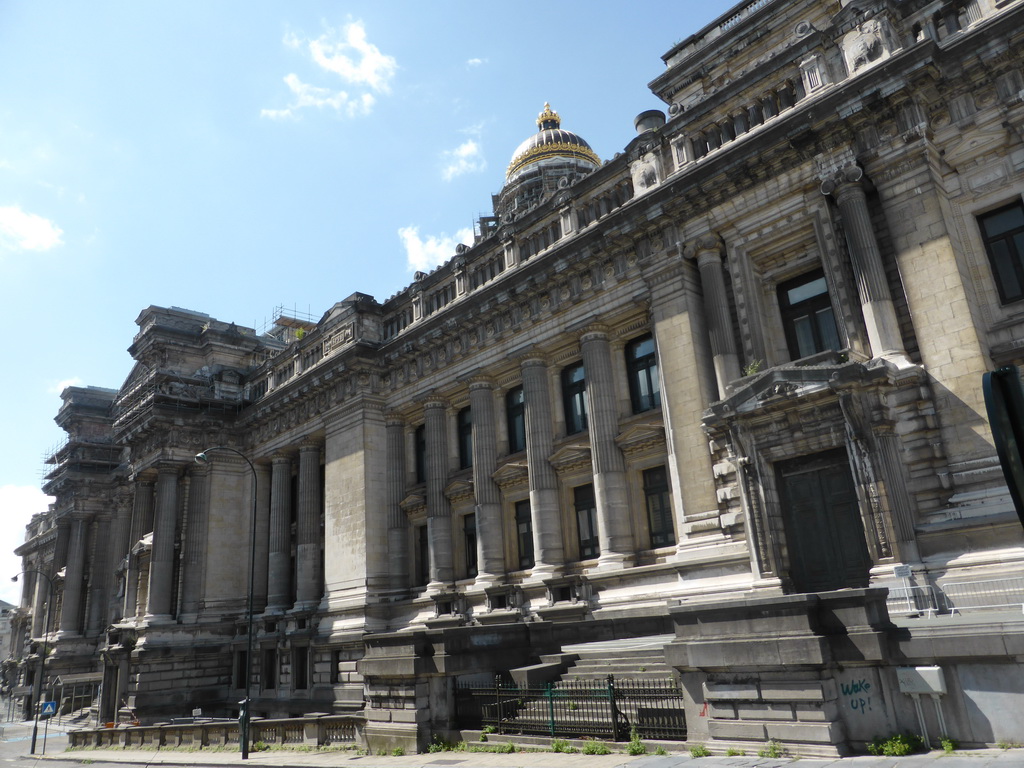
x=548, y=118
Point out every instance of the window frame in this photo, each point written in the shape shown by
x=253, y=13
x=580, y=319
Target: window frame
x=1015, y=254
x=574, y=398
x=584, y=502
x=464, y=430
x=660, y=488
x=643, y=370
x=469, y=537
x=420, y=453
x=515, y=419
x=810, y=309
x=523, y=520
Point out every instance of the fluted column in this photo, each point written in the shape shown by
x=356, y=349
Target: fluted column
x=398, y=523
x=613, y=518
x=439, y=516
x=261, y=552
x=74, y=577
x=489, y=538
x=548, y=551
x=876, y=301
x=39, y=604
x=279, y=581
x=161, y=563
x=101, y=575
x=120, y=530
x=142, y=523
x=708, y=252
x=195, y=542
x=308, y=580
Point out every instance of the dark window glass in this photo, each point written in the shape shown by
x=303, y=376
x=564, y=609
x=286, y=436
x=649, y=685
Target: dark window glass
x=421, y=453
x=642, y=362
x=807, y=315
x=465, y=438
x=422, y=555
x=1003, y=232
x=586, y=521
x=269, y=671
x=300, y=668
x=241, y=669
x=524, y=533
x=574, y=398
x=469, y=535
x=516, y=417
x=659, y=507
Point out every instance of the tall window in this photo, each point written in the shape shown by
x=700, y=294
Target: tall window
x=807, y=315
x=659, y=507
x=515, y=415
x=524, y=533
x=574, y=398
x=422, y=555
x=268, y=673
x=420, y=438
x=465, y=428
x=469, y=537
x=241, y=669
x=642, y=363
x=300, y=668
x=586, y=521
x=1003, y=232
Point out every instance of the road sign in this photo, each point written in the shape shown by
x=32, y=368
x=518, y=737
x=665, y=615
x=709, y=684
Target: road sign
x=49, y=709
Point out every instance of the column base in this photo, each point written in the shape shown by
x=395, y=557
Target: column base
x=487, y=580
x=158, y=618
x=542, y=572
x=613, y=561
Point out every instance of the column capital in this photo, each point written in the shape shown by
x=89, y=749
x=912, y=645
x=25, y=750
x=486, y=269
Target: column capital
x=534, y=360
x=834, y=182
x=708, y=244
x=393, y=419
x=434, y=401
x=309, y=444
x=481, y=382
x=280, y=458
x=595, y=332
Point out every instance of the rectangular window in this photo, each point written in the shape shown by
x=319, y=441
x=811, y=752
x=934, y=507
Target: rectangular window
x=300, y=668
x=422, y=555
x=659, y=507
x=469, y=537
x=642, y=362
x=1003, y=232
x=574, y=398
x=241, y=669
x=268, y=671
x=524, y=533
x=465, y=429
x=807, y=315
x=420, y=437
x=515, y=415
x=586, y=521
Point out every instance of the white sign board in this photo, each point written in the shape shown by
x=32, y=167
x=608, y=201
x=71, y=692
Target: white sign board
x=921, y=680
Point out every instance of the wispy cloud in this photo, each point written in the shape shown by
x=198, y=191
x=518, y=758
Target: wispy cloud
x=346, y=53
x=475, y=62
x=424, y=253
x=465, y=158
x=19, y=503
x=60, y=386
x=23, y=231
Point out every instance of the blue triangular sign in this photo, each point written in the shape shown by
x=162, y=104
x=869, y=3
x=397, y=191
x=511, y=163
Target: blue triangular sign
x=49, y=708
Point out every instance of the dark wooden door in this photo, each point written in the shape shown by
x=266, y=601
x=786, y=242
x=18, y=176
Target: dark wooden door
x=824, y=533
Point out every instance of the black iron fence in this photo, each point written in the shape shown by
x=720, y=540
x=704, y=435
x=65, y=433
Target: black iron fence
x=608, y=709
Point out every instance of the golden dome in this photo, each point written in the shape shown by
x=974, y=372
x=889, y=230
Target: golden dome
x=550, y=143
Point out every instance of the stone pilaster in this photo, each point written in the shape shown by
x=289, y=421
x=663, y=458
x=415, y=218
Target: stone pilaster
x=613, y=518
x=439, y=517
x=548, y=550
x=100, y=575
x=142, y=523
x=262, y=549
x=195, y=542
x=279, y=582
x=398, y=523
x=74, y=578
x=161, y=564
x=489, y=539
x=707, y=250
x=39, y=605
x=120, y=545
x=876, y=301
x=308, y=579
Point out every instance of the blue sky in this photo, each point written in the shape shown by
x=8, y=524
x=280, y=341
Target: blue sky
x=236, y=157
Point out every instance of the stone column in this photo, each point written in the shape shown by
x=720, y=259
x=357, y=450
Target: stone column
x=398, y=523
x=101, y=574
x=120, y=532
x=40, y=605
x=262, y=549
x=195, y=543
x=489, y=538
x=74, y=578
x=142, y=523
x=161, y=563
x=613, y=518
x=876, y=301
x=439, y=515
x=707, y=250
x=308, y=579
x=548, y=551
x=279, y=583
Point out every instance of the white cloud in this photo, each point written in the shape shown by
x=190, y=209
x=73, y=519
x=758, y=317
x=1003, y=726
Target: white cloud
x=22, y=231
x=465, y=158
x=60, y=386
x=423, y=254
x=475, y=62
x=18, y=503
x=344, y=52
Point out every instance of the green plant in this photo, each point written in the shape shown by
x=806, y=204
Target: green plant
x=1007, y=745
x=594, y=747
x=635, y=746
x=949, y=744
x=507, y=748
x=643, y=668
x=754, y=366
x=734, y=752
x=771, y=748
x=699, y=750
x=488, y=729
x=573, y=706
x=897, y=746
x=562, y=745
x=661, y=751
x=397, y=752
x=483, y=737
x=260, y=746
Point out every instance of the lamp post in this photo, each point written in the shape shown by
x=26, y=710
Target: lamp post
x=38, y=687
x=244, y=714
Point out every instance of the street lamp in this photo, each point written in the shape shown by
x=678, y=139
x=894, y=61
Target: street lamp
x=244, y=715
x=38, y=687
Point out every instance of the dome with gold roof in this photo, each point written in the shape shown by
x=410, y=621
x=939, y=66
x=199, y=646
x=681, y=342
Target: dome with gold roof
x=550, y=144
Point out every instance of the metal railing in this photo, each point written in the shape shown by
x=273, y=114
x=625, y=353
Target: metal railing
x=607, y=709
x=915, y=601
x=990, y=594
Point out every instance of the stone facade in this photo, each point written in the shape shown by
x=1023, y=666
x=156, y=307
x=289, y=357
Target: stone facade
x=727, y=383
